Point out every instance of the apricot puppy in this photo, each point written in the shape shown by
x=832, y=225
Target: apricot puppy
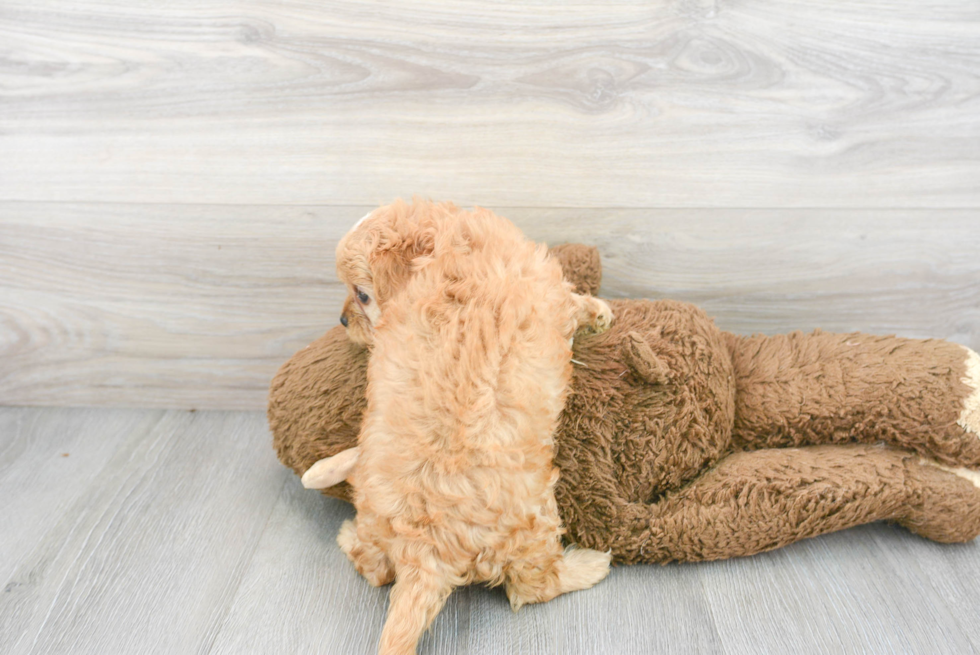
x=470, y=326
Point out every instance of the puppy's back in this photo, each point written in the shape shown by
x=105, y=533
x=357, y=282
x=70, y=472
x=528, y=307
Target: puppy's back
x=469, y=373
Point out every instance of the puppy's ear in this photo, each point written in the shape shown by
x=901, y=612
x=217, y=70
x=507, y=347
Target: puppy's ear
x=430, y=219
x=425, y=240
x=389, y=269
x=423, y=246
x=407, y=238
x=427, y=235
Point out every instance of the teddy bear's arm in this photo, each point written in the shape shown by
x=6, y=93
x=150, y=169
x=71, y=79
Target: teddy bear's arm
x=801, y=389
x=330, y=470
x=756, y=501
x=643, y=360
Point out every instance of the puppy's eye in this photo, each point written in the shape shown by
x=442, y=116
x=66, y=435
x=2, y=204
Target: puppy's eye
x=362, y=297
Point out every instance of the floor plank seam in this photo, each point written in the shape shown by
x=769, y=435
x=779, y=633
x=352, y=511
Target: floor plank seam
x=242, y=569
x=96, y=525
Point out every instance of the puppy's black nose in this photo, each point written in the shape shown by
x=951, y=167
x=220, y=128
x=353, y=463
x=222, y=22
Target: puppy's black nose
x=343, y=320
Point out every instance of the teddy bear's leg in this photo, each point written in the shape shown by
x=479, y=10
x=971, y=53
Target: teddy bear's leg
x=760, y=500
x=803, y=389
x=948, y=507
x=592, y=314
x=366, y=556
x=970, y=417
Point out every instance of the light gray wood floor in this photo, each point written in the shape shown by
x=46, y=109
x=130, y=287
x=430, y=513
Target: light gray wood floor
x=173, y=180
x=151, y=531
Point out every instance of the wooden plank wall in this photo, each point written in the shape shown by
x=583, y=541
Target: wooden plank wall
x=174, y=177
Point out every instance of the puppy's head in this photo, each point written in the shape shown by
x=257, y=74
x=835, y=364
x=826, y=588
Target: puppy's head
x=376, y=258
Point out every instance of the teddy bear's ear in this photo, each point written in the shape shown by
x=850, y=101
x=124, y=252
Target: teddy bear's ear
x=644, y=362
x=581, y=266
x=331, y=470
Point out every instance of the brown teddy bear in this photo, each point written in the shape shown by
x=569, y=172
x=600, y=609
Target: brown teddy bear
x=681, y=442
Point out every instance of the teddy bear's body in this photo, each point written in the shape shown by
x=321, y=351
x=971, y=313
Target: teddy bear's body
x=683, y=442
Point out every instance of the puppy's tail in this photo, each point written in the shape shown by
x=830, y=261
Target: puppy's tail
x=416, y=598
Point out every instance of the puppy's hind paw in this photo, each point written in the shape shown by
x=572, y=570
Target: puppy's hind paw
x=369, y=560
x=347, y=536
x=584, y=567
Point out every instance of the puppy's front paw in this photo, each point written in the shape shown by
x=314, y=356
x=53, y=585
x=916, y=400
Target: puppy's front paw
x=594, y=315
x=603, y=317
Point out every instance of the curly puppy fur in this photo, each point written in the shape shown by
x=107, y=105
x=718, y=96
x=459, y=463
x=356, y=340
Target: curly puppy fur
x=470, y=326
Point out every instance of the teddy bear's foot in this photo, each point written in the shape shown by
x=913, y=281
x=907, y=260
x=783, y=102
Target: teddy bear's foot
x=948, y=507
x=970, y=417
x=369, y=560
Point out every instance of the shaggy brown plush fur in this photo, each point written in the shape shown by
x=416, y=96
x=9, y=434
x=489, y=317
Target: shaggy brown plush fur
x=682, y=442
x=698, y=466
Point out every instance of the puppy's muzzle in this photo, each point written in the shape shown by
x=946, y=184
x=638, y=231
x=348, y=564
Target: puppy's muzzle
x=343, y=320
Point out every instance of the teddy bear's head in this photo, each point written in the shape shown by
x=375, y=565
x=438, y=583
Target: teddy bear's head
x=316, y=402
x=318, y=397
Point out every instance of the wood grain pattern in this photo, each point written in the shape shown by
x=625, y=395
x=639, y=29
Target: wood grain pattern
x=159, y=306
x=297, y=595
x=705, y=103
x=184, y=535
x=197, y=306
x=837, y=593
x=48, y=460
x=149, y=555
x=949, y=574
x=174, y=177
